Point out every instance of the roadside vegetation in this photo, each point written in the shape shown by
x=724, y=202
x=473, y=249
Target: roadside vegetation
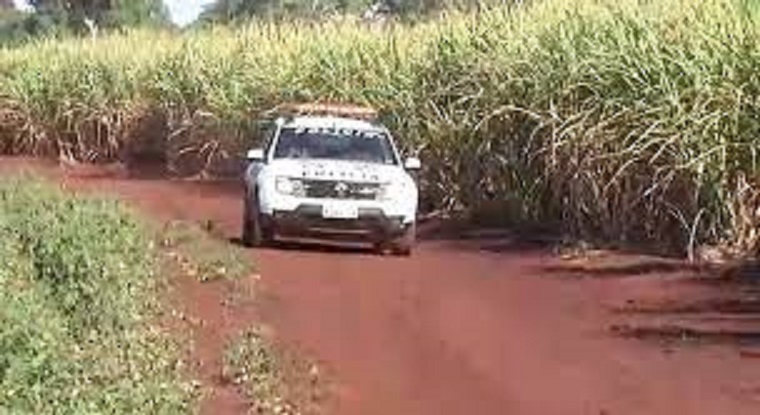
x=251, y=362
x=618, y=121
x=276, y=383
x=200, y=254
x=79, y=323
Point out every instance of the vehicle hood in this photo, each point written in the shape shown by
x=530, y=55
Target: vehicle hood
x=349, y=171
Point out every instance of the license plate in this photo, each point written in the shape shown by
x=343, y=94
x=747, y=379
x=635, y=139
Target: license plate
x=339, y=211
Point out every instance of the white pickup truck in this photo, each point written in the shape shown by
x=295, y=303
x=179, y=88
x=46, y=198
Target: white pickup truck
x=330, y=177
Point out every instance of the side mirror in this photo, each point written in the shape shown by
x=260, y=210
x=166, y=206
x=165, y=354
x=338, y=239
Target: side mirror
x=255, y=155
x=412, y=163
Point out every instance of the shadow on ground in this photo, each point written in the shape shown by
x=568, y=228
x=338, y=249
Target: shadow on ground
x=680, y=335
x=621, y=267
x=314, y=247
x=459, y=234
x=724, y=309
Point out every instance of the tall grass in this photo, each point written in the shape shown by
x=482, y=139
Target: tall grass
x=621, y=120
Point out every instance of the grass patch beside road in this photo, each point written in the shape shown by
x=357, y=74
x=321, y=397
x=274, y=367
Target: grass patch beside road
x=277, y=382
x=79, y=311
x=201, y=255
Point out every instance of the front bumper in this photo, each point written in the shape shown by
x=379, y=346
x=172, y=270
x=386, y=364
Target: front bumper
x=306, y=220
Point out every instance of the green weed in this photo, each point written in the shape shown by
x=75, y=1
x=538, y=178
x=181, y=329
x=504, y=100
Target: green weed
x=78, y=324
x=276, y=383
x=202, y=255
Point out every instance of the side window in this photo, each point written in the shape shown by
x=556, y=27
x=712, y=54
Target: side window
x=267, y=130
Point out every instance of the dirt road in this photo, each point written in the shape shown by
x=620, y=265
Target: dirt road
x=477, y=326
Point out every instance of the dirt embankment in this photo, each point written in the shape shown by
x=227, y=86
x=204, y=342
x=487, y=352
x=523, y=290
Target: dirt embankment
x=489, y=326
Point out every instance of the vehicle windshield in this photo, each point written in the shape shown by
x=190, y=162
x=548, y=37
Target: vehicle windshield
x=349, y=145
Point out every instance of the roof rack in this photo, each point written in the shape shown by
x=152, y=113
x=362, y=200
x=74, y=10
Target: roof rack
x=323, y=108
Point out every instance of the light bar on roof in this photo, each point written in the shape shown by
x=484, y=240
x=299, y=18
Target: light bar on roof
x=340, y=110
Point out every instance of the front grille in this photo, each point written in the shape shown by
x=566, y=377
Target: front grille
x=335, y=189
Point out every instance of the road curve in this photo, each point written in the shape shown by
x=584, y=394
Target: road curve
x=464, y=327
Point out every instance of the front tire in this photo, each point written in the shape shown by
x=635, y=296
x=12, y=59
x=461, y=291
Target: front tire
x=253, y=235
x=403, y=245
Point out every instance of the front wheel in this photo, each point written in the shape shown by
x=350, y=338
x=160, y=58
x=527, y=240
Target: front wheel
x=404, y=244
x=253, y=234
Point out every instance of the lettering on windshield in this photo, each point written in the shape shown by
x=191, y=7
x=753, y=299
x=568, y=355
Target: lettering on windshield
x=370, y=146
x=340, y=132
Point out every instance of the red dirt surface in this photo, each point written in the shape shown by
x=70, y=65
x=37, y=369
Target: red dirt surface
x=468, y=326
x=212, y=326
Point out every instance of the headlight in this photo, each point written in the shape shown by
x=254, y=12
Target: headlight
x=290, y=186
x=397, y=190
x=390, y=191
